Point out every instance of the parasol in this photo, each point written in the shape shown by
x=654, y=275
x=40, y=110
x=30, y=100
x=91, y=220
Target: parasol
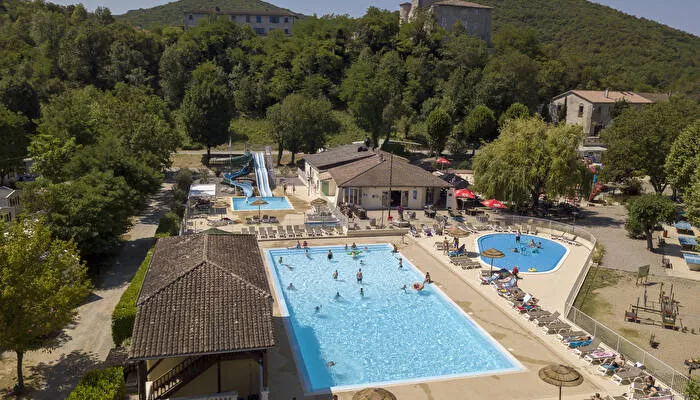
x=374, y=394
x=465, y=193
x=492, y=253
x=259, y=203
x=560, y=375
x=493, y=203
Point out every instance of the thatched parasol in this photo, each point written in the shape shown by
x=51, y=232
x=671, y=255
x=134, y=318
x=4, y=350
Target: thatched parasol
x=456, y=232
x=259, y=203
x=374, y=394
x=560, y=375
x=492, y=253
x=318, y=202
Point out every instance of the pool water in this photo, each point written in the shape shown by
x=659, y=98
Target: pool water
x=546, y=259
x=273, y=203
x=388, y=334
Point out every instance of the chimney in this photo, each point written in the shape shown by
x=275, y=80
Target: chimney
x=606, y=94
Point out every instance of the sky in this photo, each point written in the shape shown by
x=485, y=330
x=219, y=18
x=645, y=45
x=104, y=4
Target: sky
x=680, y=14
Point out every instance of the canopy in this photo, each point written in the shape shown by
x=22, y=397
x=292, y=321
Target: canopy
x=443, y=160
x=492, y=253
x=456, y=232
x=318, y=202
x=374, y=394
x=258, y=202
x=560, y=375
x=465, y=193
x=493, y=203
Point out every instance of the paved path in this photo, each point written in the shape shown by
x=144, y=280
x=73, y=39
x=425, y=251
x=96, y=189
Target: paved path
x=89, y=340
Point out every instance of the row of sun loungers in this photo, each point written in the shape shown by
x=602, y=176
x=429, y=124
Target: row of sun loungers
x=567, y=238
x=293, y=232
x=580, y=342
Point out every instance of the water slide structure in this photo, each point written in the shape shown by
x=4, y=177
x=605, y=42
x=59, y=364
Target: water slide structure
x=243, y=162
x=261, y=175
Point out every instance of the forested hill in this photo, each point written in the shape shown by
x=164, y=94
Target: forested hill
x=616, y=49
x=173, y=13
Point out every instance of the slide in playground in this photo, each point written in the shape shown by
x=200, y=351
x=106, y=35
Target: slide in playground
x=247, y=187
x=241, y=161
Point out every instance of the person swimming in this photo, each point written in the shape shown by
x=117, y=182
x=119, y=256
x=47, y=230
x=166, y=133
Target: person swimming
x=400, y=263
x=331, y=363
x=280, y=260
x=396, y=249
x=359, y=275
x=362, y=262
x=317, y=309
x=362, y=292
x=539, y=245
x=290, y=286
x=306, y=244
x=404, y=287
x=335, y=274
x=337, y=295
x=330, y=254
x=346, y=247
x=354, y=246
x=298, y=245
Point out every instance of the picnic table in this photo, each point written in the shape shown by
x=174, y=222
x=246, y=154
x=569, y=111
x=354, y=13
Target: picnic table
x=687, y=242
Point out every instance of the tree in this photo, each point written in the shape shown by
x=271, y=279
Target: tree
x=479, y=125
x=515, y=111
x=692, y=199
x=14, y=141
x=640, y=138
x=692, y=389
x=300, y=123
x=647, y=211
x=507, y=79
x=206, y=110
x=175, y=68
x=529, y=158
x=684, y=157
x=439, y=126
x=43, y=280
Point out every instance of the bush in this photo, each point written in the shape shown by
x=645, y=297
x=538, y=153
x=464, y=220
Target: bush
x=634, y=230
x=169, y=224
x=100, y=384
x=125, y=311
x=633, y=188
x=598, y=253
x=183, y=179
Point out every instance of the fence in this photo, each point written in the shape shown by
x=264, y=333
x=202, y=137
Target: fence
x=663, y=372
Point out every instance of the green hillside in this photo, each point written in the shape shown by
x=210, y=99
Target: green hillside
x=173, y=13
x=615, y=48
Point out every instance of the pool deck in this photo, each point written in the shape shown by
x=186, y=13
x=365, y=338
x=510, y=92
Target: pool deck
x=530, y=346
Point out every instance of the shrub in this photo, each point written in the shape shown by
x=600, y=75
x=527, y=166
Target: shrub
x=169, y=224
x=598, y=253
x=100, y=384
x=633, y=188
x=125, y=311
x=183, y=179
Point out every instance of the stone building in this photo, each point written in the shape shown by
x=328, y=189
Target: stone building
x=262, y=21
x=9, y=204
x=475, y=18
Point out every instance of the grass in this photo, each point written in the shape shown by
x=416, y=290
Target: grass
x=588, y=300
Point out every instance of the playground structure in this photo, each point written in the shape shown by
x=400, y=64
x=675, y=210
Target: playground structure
x=667, y=308
x=261, y=174
x=241, y=166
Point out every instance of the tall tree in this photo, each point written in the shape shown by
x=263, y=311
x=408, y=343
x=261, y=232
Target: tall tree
x=14, y=141
x=439, y=126
x=479, y=125
x=206, y=110
x=42, y=281
x=301, y=123
x=640, y=140
x=684, y=158
x=529, y=158
x=646, y=211
x=514, y=111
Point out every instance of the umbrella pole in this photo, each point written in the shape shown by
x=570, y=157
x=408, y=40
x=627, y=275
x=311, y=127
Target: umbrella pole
x=259, y=214
x=491, y=269
x=559, y=392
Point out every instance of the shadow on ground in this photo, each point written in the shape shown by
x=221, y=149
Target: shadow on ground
x=56, y=380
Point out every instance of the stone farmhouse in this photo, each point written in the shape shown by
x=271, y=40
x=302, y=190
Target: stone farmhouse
x=475, y=18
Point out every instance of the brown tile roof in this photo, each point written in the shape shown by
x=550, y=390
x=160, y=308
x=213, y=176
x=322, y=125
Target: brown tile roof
x=655, y=97
x=598, y=96
x=373, y=173
x=336, y=156
x=281, y=13
x=203, y=294
x=460, y=3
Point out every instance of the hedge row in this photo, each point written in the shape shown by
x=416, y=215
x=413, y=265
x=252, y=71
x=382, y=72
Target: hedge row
x=100, y=384
x=124, y=313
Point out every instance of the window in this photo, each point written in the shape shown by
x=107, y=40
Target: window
x=415, y=194
x=580, y=110
x=286, y=19
x=274, y=20
x=353, y=195
x=286, y=31
x=191, y=17
x=260, y=31
x=429, y=196
x=247, y=18
x=258, y=19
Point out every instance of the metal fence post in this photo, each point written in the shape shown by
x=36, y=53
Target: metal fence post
x=595, y=328
x=618, y=342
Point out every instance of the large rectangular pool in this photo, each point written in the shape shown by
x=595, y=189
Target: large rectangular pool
x=387, y=335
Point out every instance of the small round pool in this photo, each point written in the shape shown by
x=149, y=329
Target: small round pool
x=544, y=259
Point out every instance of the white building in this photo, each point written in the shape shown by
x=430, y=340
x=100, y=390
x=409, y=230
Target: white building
x=475, y=18
x=262, y=21
x=371, y=179
x=9, y=204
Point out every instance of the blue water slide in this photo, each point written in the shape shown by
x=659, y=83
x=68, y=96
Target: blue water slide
x=247, y=187
x=261, y=175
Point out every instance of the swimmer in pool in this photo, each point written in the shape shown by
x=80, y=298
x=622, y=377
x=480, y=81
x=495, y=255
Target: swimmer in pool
x=400, y=263
x=337, y=295
x=403, y=288
x=298, y=245
x=330, y=255
x=291, y=286
x=362, y=292
x=335, y=274
x=317, y=309
x=359, y=276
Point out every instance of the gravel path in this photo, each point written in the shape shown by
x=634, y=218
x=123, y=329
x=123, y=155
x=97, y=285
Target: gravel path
x=88, y=341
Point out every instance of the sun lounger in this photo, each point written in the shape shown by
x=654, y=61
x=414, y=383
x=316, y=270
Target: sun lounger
x=555, y=327
x=580, y=343
x=608, y=366
x=626, y=374
x=638, y=391
x=556, y=237
x=265, y=218
x=595, y=357
x=545, y=319
x=583, y=350
x=533, y=230
x=290, y=231
x=244, y=231
x=532, y=314
x=300, y=230
x=254, y=231
x=566, y=337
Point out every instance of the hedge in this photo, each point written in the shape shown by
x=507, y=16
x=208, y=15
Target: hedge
x=169, y=224
x=100, y=384
x=125, y=311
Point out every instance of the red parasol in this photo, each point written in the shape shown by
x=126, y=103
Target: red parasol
x=465, y=193
x=443, y=160
x=493, y=203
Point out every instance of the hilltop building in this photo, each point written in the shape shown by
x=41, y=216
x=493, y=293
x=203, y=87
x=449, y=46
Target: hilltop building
x=262, y=21
x=592, y=109
x=475, y=18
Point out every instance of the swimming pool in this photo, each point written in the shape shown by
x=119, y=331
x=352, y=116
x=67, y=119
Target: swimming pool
x=273, y=203
x=546, y=259
x=388, y=335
